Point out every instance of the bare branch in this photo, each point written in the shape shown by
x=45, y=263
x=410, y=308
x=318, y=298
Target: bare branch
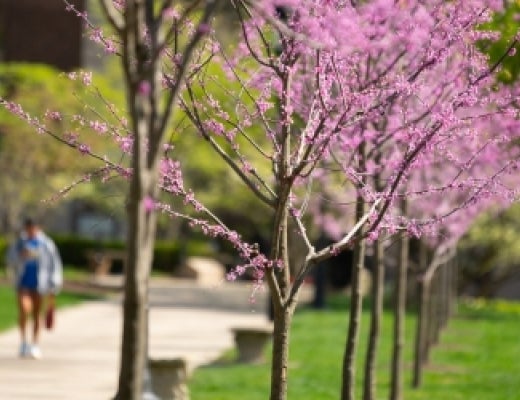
x=284, y=29
x=344, y=243
x=195, y=118
x=176, y=87
x=173, y=30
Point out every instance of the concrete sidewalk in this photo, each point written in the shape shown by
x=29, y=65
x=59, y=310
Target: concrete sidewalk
x=81, y=355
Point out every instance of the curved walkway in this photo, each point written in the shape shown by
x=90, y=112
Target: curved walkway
x=81, y=355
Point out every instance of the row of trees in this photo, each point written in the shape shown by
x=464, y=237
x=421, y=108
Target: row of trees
x=368, y=119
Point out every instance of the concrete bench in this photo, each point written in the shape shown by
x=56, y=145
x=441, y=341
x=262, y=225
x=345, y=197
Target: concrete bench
x=100, y=261
x=169, y=378
x=250, y=342
x=205, y=271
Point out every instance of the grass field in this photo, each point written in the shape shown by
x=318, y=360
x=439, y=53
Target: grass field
x=478, y=359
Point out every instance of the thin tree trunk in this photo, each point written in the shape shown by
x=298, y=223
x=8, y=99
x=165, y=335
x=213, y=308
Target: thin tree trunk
x=283, y=311
x=143, y=187
x=445, y=294
x=283, y=307
x=421, y=333
x=349, y=358
x=135, y=306
x=280, y=280
x=434, y=317
x=396, y=382
x=454, y=285
x=422, y=322
x=375, y=322
x=431, y=316
x=280, y=354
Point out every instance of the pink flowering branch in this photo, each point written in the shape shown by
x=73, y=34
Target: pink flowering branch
x=96, y=34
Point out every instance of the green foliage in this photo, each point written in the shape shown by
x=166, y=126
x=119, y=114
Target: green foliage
x=3, y=250
x=490, y=252
x=167, y=254
x=507, y=24
x=23, y=152
x=476, y=359
x=73, y=249
x=480, y=307
x=497, y=234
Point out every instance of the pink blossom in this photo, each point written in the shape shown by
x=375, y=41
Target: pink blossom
x=126, y=144
x=144, y=88
x=53, y=115
x=149, y=204
x=204, y=28
x=84, y=149
x=86, y=78
x=99, y=126
x=171, y=13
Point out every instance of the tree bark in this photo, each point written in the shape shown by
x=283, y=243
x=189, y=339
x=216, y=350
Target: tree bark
x=349, y=358
x=141, y=234
x=279, y=282
x=422, y=322
x=396, y=381
x=280, y=353
x=421, y=334
x=139, y=70
x=369, y=384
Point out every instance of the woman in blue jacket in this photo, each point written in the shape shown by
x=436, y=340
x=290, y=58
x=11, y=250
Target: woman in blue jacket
x=37, y=272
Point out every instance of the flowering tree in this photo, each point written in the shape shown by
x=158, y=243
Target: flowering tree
x=354, y=97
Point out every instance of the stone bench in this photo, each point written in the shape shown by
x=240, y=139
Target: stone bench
x=169, y=378
x=204, y=270
x=100, y=261
x=250, y=342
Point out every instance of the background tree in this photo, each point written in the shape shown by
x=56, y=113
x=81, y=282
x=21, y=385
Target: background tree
x=40, y=89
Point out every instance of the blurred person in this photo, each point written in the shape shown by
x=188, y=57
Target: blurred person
x=37, y=273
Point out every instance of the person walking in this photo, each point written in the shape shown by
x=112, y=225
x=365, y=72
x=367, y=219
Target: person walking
x=38, y=273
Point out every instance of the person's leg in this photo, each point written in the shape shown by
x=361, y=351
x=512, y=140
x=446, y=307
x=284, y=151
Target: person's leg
x=36, y=299
x=24, y=309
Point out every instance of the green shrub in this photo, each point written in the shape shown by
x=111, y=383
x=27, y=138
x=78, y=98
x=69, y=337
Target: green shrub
x=73, y=249
x=167, y=254
x=3, y=250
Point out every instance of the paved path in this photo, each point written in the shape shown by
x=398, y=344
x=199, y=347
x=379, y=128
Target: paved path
x=81, y=355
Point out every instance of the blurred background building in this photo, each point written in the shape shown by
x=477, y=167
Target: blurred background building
x=41, y=31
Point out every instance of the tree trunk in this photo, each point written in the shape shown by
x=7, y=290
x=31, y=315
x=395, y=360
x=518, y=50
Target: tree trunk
x=375, y=322
x=422, y=322
x=349, y=358
x=445, y=294
x=421, y=333
x=279, y=282
x=134, y=346
x=396, y=382
x=454, y=285
x=280, y=354
x=142, y=104
x=140, y=243
x=437, y=307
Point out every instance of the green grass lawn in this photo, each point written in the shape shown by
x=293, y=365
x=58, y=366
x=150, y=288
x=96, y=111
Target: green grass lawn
x=478, y=359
